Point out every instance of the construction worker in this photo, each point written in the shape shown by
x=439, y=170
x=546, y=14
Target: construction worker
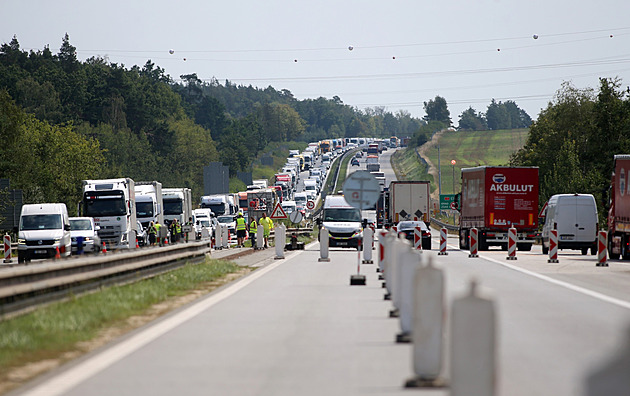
x=152, y=233
x=178, y=230
x=158, y=226
x=241, y=230
x=253, y=228
x=267, y=224
x=189, y=223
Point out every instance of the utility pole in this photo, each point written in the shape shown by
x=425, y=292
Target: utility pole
x=439, y=172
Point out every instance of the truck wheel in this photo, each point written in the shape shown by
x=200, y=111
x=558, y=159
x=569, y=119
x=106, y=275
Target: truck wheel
x=545, y=249
x=504, y=247
x=21, y=257
x=594, y=250
x=524, y=247
x=584, y=251
x=463, y=240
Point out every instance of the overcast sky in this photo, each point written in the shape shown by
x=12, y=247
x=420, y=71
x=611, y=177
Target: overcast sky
x=403, y=52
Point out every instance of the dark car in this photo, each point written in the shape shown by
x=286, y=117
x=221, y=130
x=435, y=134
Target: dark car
x=354, y=162
x=408, y=228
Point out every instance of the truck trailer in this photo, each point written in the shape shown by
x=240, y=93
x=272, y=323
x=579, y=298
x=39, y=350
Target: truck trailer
x=111, y=202
x=408, y=200
x=619, y=209
x=493, y=199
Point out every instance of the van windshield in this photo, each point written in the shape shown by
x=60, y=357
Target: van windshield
x=40, y=222
x=80, y=225
x=144, y=209
x=342, y=214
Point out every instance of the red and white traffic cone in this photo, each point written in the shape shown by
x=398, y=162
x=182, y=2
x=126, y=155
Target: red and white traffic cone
x=443, y=234
x=553, y=246
x=57, y=255
x=104, y=248
x=137, y=245
x=511, y=243
x=474, y=243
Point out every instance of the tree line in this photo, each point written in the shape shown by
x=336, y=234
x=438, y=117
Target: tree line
x=574, y=139
x=63, y=120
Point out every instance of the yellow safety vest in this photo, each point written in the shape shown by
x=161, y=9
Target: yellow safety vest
x=253, y=226
x=240, y=224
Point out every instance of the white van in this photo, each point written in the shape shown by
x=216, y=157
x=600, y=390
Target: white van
x=44, y=229
x=300, y=200
x=575, y=218
x=203, y=219
x=343, y=222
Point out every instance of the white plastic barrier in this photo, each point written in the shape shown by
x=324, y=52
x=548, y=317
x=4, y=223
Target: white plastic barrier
x=7, y=249
x=601, y=249
x=511, y=243
x=399, y=246
x=218, y=234
x=390, y=256
x=260, y=239
x=368, y=241
x=428, y=326
x=553, y=246
x=280, y=240
x=473, y=344
x=225, y=236
x=409, y=262
x=323, y=245
x=382, y=234
x=443, y=236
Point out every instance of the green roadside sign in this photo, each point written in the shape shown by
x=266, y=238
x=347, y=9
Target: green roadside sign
x=448, y=202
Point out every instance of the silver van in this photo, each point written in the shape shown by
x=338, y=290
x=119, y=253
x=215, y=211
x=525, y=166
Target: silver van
x=44, y=229
x=574, y=216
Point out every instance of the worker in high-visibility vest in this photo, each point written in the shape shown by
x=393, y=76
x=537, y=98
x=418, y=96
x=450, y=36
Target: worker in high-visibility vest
x=267, y=225
x=241, y=230
x=158, y=226
x=253, y=228
x=152, y=233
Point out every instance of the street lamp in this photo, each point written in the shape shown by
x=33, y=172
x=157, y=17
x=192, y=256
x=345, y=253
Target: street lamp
x=453, y=162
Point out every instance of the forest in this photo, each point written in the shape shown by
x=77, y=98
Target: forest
x=63, y=120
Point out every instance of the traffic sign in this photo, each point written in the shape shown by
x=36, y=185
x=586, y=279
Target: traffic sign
x=296, y=217
x=252, y=204
x=310, y=205
x=361, y=189
x=446, y=201
x=278, y=212
x=453, y=206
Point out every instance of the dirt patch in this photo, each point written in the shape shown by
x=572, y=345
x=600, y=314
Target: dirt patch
x=18, y=376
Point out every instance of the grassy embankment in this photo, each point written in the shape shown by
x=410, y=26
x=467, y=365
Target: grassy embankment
x=35, y=342
x=468, y=149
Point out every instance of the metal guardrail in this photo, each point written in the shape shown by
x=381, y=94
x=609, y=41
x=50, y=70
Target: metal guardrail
x=26, y=286
x=440, y=224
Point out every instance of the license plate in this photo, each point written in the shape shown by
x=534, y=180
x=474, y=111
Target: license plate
x=40, y=252
x=342, y=243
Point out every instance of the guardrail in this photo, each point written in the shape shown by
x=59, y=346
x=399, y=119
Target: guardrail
x=22, y=287
x=440, y=224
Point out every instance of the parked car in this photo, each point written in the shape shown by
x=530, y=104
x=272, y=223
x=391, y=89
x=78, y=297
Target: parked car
x=408, y=228
x=84, y=227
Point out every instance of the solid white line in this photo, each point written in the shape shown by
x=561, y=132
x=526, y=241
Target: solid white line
x=597, y=295
x=70, y=378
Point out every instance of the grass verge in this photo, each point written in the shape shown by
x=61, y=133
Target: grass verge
x=41, y=340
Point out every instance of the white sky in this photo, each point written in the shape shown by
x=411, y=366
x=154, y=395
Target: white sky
x=441, y=47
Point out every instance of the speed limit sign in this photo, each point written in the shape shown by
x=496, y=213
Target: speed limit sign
x=310, y=205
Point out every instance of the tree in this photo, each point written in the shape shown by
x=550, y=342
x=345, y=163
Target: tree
x=470, y=120
x=497, y=116
x=437, y=110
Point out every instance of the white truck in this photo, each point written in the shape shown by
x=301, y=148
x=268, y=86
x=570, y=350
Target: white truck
x=177, y=204
x=409, y=200
x=262, y=183
x=219, y=204
x=149, y=203
x=111, y=202
x=372, y=164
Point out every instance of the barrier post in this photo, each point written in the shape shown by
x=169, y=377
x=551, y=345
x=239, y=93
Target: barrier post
x=399, y=247
x=553, y=246
x=7, y=249
x=443, y=236
x=358, y=279
x=417, y=238
x=409, y=262
x=511, y=243
x=260, y=237
x=381, y=251
x=428, y=327
x=225, y=236
x=323, y=245
x=368, y=238
x=280, y=241
x=474, y=243
x=473, y=344
x=601, y=249
x=218, y=232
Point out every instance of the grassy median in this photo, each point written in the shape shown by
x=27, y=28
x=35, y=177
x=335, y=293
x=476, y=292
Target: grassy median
x=41, y=340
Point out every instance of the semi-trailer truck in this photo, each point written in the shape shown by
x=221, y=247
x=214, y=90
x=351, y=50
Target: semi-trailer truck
x=177, y=204
x=493, y=199
x=111, y=202
x=619, y=209
x=149, y=202
x=408, y=200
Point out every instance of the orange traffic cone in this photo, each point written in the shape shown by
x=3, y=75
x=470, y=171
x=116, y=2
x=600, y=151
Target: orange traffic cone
x=137, y=246
x=104, y=249
x=57, y=255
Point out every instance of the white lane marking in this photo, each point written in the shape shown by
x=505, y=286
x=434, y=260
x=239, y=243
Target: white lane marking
x=65, y=381
x=600, y=296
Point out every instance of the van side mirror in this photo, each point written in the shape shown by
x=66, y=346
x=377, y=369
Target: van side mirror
x=66, y=227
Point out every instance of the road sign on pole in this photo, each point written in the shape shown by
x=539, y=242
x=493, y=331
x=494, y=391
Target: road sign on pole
x=446, y=201
x=278, y=212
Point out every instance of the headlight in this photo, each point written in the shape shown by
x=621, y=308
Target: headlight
x=21, y=241
x=87, y=239
x=57, y=240
x=357, y=233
